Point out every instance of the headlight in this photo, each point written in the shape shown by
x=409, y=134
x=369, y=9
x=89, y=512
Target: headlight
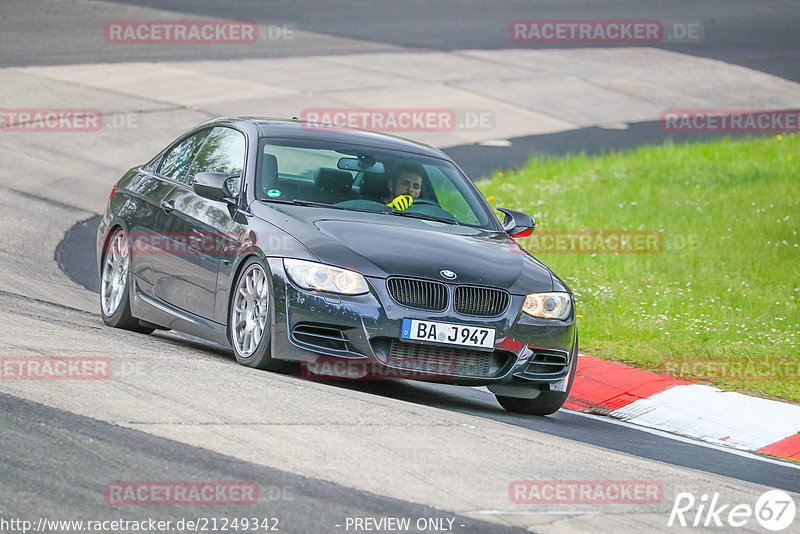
x=321, y=277
x=548, y=305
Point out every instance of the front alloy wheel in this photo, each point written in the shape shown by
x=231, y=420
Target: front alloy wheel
x=250, y=318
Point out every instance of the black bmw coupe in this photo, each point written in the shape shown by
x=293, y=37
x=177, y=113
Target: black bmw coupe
x=352, y=253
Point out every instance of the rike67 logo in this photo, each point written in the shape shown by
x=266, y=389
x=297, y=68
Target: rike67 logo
x=774, y=511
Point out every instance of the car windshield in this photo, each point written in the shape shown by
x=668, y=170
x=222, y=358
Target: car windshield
x=330, y=174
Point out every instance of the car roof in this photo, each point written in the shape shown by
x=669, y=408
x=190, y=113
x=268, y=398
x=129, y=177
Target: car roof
x=294, y=128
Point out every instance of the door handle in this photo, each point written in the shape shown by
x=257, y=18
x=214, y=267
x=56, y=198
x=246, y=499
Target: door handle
x=168, y=206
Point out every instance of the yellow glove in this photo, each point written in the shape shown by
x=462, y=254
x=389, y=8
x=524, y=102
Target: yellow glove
x=401, y=203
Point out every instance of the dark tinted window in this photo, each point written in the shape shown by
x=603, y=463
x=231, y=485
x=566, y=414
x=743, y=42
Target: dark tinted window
x=223, y=151
x=177, y=160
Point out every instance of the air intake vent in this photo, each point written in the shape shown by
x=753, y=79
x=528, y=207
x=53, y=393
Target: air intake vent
x=481, y=301
x=545, y=363
x=443, y=361
x=420, y=294
x=321, y=337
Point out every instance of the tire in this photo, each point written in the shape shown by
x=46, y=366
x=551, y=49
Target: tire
x=250, y=318
x=548, y=402
x=115, y=303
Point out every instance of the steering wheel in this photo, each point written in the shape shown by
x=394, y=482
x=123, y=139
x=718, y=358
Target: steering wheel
x=424, y=201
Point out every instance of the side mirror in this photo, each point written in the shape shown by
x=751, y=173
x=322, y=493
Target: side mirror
x=213, y=186
x=517, y=224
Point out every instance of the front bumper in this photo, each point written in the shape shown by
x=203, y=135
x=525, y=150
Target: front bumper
x=344, y=336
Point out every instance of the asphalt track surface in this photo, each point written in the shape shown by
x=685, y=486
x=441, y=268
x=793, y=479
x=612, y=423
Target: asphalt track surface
x=57, y=462
x=79, y=473
x=479, y=160
x=759, y=35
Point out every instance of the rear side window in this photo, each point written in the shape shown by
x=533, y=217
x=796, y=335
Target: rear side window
x=224, y=151
x=177, y=161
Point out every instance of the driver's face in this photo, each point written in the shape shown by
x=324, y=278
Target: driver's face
x=408, y=183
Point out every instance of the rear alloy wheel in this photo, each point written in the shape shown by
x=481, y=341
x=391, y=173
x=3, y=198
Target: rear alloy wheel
x=115, y=305
x=250, y=318
x=548, y=402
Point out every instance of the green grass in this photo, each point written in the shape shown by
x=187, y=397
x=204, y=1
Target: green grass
x=719, y=303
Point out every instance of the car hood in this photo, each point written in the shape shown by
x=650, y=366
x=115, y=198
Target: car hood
x=381, y=245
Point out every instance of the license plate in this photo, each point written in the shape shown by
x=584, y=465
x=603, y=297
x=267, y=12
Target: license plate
x=451, y=334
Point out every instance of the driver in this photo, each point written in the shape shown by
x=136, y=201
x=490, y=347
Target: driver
x=404, y=188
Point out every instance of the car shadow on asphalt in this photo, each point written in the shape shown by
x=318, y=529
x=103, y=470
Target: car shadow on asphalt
x=179, y=339
x=428, y=394
x=462, y=399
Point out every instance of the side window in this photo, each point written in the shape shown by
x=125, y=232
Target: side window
x=177, y=160
x=152, y=165
x=223, y=151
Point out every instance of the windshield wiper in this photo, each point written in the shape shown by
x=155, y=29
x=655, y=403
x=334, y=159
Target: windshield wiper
x=298, y=202
x=313, y=204
x=415, y=215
